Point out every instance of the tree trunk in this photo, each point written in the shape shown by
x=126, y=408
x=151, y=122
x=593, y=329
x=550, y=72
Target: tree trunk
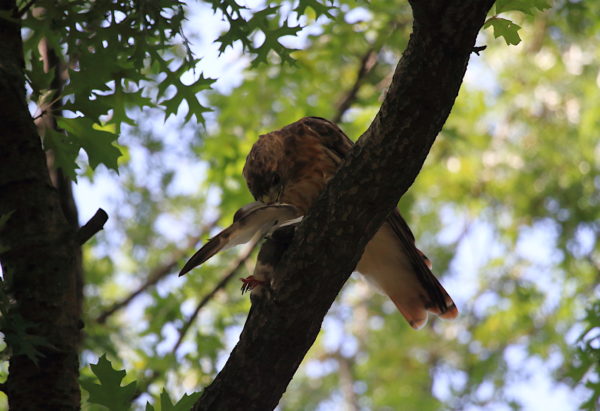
x=327, y=245
x=38, y=248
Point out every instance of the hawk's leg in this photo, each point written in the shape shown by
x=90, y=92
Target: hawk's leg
x=261, y=281
x=250, y=283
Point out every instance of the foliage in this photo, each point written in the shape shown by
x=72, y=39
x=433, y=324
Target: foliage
x=184, y=404
x=109, y=392
x=114, y=52
x=507, y=29
x=111, y=395
x=108, y=50
x=506, y=205
x=586, y=366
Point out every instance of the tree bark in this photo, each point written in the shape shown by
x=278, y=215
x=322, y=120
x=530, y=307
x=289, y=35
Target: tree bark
x=330, y=240
x=38, y=247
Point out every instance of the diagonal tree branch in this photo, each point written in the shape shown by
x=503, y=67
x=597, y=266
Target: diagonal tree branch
x=230, y=272
x=367, y=64
x=156, y=274
x=282, y=326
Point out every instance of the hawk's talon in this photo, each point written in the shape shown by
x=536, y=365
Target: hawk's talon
x=250, y=283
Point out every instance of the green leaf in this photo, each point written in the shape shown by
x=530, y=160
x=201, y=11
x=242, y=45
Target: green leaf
x=184, y=404
x=187, y=93
x=319, y=8
x=94, y=139
x=109, y=392
x=266, y=21
x=24, y=343
x=504, y=28
x=525, y=6
x=271, y=42
x=38, y=78
x=65, y=148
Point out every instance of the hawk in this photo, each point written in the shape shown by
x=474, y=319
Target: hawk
x=292, y=166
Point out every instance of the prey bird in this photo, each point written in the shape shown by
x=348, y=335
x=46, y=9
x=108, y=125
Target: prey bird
x=292, y=166
x=250, y=222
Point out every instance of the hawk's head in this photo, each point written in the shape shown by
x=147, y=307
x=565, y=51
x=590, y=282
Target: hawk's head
x=265, y=186
x=261, y=170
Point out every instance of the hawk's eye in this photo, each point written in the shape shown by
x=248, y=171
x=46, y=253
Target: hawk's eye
x=275, y=179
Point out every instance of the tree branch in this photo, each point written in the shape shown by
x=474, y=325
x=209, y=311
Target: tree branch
x=95, y=224
x=26, y=7
x=367, y=64
x=230, y=272
x=328, y=243
x=478, y=49
x=156, y=274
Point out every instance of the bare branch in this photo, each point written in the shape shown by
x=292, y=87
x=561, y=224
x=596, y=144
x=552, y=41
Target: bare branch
x=20, y=13
x=367, y=64
x=95, y=224
x=230, y=272
x=156, y=274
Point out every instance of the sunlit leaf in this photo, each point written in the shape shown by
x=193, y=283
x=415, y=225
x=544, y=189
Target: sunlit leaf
x=109, y=392
x=504, y=28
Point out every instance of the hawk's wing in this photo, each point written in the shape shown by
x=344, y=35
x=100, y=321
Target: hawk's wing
x=254, y=219
x=331, y=136
x=436, y=299
x=406, y=279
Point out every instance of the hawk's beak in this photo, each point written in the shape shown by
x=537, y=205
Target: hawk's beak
x=273, y=196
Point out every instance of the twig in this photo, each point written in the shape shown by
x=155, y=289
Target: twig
x=89, y=229
x=367, y=63
x=156, y=274
x=24, y=9
x=231, y=271
x=478, y=49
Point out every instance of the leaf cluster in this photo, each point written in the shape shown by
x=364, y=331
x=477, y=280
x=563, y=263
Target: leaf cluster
x=110, y=394
x=108, y=53
x=507, y=29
